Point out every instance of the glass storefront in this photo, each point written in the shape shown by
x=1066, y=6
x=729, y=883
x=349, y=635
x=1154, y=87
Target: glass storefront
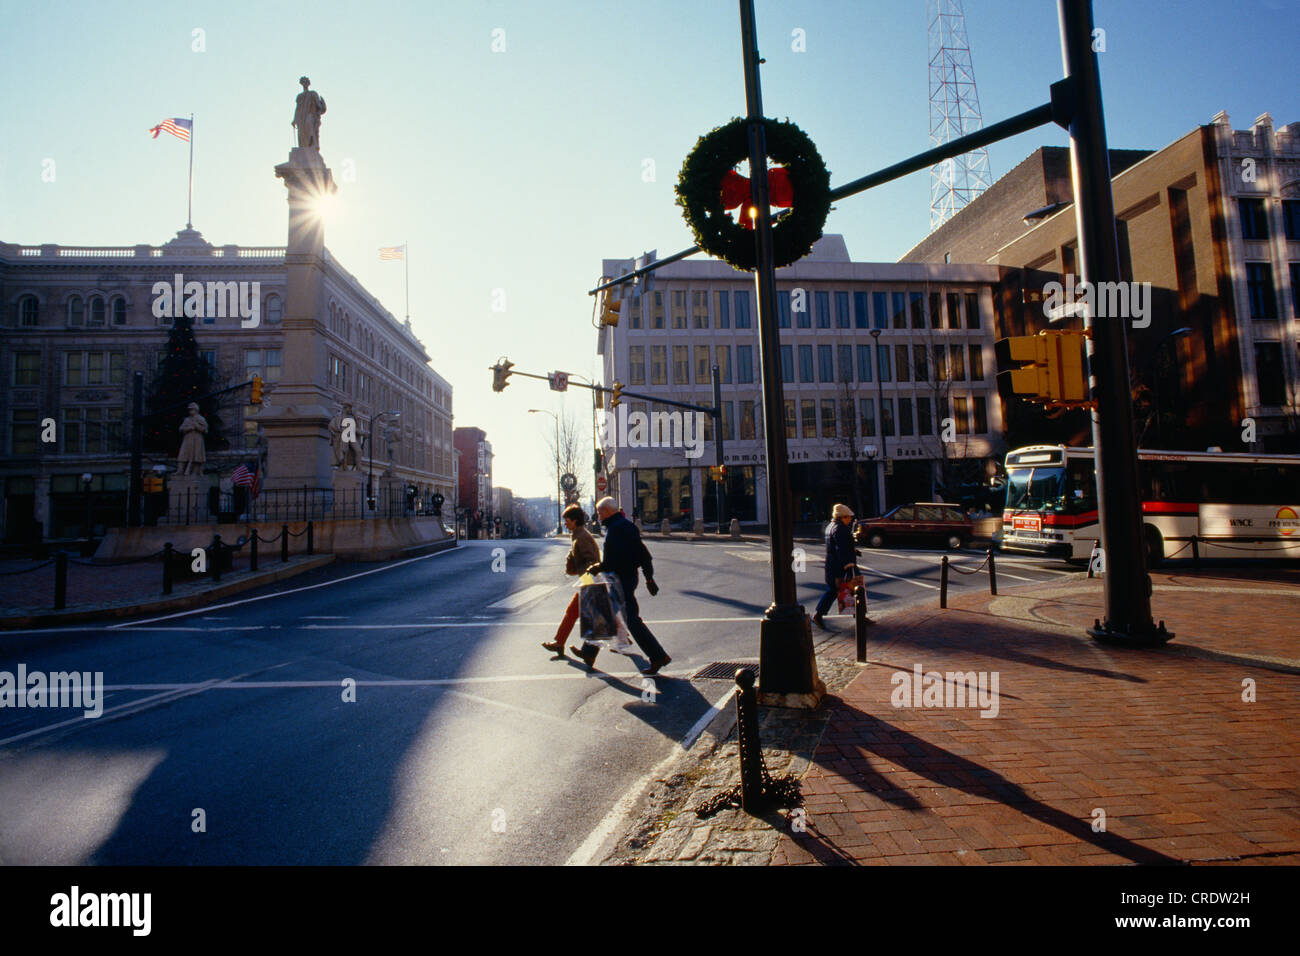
x=663, y=493
x=741, y=495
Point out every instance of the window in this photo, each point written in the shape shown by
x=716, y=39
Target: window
x=828, y=418
x=790, y=424
x=941, y=363
x=900, y=310
x=920, y=367
x=904, y=417
x=882, y=362
x=864, y=363
x=879, y=306
x=981, y=415
x=916, y=301
x=805, y=363
x=658, y=365
x=1254, y=219
x=822, y=303
x=860, y=317
x=936, y=319
x=799, y=305
x=723, y=353
x=972, y=310
x=702, y=365
x=27, y=310
x=1295, y=289
x=27, y=368
x=681, y=365
x=924, y=424
x=76, y=315
x=1269, y=373
x=92, y=430
x=745, y=364
x=842, y=317
x=746, y=421
x=826, y=363
x=868, y=407
x=89, y=368
x=119, y=310
x=209, y=356
x=845, y=361
x=22, y=432
x=95, y=318
x=954, y=311
x=887, y=417
x=700, y=310
x=1291, y=218
x=808, y=414
x=787, y=363
x=657, y=311
x=637, y=307
x=976, y=363
x=902, y=363
x=742, y=309
x=782, y=308
x=849, y=420
x=959, y=405
x=958, y=364
x=722, y=314
x=728, y=421
x=636, y=364
x=679, y=309
x=1259, y=288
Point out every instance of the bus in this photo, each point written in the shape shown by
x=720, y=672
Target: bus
x=1210, y=504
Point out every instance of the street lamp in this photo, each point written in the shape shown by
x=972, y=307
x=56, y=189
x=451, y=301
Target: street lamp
x=884, y=443
x=86, y=478
x=559, y=498
x=370, y=478
x=1155, y=376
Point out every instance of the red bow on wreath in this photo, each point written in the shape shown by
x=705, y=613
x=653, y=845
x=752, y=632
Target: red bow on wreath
x=736, y=192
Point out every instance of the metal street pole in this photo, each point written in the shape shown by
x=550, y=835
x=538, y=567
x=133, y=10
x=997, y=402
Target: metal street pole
x=559, y=496
x=137, y=442
x=720, y=485
x=880, y=412
x=787, y=667
x=1127, y=583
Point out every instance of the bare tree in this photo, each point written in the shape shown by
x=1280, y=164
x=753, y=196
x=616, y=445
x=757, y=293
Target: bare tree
x=570, y=455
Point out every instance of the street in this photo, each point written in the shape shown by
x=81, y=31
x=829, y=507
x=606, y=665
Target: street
x=233, y=734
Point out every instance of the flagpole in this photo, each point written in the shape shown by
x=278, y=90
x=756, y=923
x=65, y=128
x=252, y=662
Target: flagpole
x=406, y=259
x=189, y=208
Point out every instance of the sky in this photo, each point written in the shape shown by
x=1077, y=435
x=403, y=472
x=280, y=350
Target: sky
x=514, y=144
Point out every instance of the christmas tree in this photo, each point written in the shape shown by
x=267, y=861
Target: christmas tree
x=182, y=377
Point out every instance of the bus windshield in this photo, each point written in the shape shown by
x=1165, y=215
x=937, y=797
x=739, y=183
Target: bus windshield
x=1036, y=489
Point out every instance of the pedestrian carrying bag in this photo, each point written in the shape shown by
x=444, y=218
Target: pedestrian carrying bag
x=846, y=585
x=600, y=611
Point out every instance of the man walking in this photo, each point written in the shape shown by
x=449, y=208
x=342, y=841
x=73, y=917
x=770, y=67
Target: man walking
x=624, y=554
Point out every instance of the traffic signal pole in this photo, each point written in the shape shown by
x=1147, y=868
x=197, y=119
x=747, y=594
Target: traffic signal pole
x=1127, y=583
x=719, y=483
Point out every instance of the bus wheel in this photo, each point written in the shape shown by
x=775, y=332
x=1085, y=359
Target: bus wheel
x=1155, y=547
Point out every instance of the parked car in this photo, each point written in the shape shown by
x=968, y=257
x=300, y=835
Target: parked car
x=918, y=521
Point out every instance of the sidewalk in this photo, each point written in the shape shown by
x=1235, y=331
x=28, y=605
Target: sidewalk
x=1094, y=754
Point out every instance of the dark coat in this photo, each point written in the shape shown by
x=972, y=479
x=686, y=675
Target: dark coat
x=839, y=551
x=624, y=551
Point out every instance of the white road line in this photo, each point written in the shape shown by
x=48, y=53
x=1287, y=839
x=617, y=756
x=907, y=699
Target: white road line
x=886, y=574
x=1016, y=577
x=394, y=682
x=706, y=718
x=520, y=598
x=277, y=594
x=322, y=617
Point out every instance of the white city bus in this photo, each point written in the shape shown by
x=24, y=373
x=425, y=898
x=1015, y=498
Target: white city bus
x=1231, y=505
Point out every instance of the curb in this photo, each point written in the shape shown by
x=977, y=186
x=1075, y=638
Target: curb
x=179, y=603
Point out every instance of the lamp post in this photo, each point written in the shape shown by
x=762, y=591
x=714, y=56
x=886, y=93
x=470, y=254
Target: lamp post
x=884, y=443
x=1155, y=375
x=86, y=478
x=559, y=497
x=370, y=479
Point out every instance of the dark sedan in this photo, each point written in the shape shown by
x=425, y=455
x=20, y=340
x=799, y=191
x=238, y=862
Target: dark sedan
x=919, y=521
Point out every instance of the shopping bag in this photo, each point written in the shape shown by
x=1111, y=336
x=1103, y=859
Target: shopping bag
x=601, y=613
x=845, y=588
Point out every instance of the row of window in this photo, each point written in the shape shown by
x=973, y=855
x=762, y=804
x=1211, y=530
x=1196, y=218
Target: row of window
x=97, y=312
x=1261, y=294
x=1254, y=219
x=85, y=430
x=800, y=309
x=904, y=362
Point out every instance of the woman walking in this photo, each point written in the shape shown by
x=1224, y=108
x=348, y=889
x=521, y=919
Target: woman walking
x=841, y=559
x=582, y=554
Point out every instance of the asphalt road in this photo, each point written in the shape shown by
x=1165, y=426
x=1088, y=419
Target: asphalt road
x=230, y=735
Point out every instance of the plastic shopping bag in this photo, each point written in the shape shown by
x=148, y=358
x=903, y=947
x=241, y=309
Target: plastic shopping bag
x=846, y=585
x=601, y=613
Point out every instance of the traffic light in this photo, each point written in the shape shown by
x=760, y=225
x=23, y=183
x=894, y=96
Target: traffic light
x=501, y=372
x=255, y=395
x=718, y=472
x=1054, y=374
x=616, y=395
x=610, y=309
x=151, y=484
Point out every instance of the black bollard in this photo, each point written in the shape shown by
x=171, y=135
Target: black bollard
x=751, y=753
x=860, y=620
x=60, y=580
x=943, y=581
x=252, y=551
x=214, y=557
x=167, y=568
x=310, y=536
x=1196, y=554
x=284, y=543
x=993, y=573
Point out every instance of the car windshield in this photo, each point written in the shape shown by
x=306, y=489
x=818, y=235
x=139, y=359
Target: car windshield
x=1036, y=489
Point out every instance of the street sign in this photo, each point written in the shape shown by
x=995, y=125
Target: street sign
x=568, y=481
x=601, y=483
x=559, y=381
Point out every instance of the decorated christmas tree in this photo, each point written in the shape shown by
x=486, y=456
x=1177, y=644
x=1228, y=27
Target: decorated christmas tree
x=182, y=377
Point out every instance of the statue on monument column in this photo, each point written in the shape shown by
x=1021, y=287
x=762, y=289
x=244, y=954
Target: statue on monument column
x=343, y=429
x=192, y=455
x=307, y=113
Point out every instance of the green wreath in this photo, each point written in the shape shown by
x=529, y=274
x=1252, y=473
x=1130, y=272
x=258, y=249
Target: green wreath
x=699, y=193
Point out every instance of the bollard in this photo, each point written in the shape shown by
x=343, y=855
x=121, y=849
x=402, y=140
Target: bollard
x=1196, y=554
x=167, y=568
x=214, y=557
x=734, y=527
x=252, y=551
x=666, y=527
x=943, y=582
x=311, y=526
x=751, y=754
x=993, y=574
x=860, y=620
x=60, y=580
x=284, y=543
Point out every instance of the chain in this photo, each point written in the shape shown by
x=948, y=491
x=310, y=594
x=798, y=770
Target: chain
x=783, y=791
x=974, y=570
x=5, y=574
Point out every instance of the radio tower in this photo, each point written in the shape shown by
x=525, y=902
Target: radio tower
x=954, y=111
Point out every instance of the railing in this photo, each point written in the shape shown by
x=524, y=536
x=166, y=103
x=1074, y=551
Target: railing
x=147, y=252
x=289, y=504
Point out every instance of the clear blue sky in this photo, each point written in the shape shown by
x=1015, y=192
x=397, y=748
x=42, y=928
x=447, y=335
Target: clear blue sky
x=521, y=170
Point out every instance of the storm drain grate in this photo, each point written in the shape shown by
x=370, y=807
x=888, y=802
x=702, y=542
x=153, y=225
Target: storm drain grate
x=723, y=670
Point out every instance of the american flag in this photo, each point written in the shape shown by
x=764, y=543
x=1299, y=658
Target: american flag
x=391, y=252
x=180, y=128
x=246, y=474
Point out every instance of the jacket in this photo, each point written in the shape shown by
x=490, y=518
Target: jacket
x=624, y=551
x=839, y=551
x=584, y=552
